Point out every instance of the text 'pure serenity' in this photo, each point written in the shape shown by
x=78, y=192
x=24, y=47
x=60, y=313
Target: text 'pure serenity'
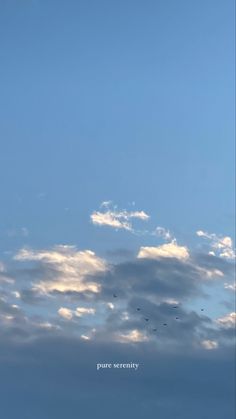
x=130, y=365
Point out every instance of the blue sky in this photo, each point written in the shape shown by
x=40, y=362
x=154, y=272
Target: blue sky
x=117, y=177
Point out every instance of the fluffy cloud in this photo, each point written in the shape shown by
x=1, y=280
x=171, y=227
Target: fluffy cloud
x=170, y=250
x=66, y=313
x=67, y=269
x=63, y=283
x=228, y=321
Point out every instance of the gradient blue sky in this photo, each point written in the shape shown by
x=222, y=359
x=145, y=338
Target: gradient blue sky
x=116, y=100
x=130, y=102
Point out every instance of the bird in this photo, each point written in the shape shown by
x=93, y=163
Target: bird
x=146, y=319
x=154, y=330
x=202, y=309
x=164, y=324
x=138, y=309
x=175, y=307
x=177, y=318
x=114, y=295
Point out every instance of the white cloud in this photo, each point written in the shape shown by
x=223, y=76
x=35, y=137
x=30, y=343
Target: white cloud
x=228, y=321
x=171, y=301
x=125, y=316
x=70, y=268
x=134, y=336
x=221, y=246
x=210, y=273
x=81, y=311
x=209, y=344
x=85, y=337
x=111, y=306
x=110, y=219
x=114, y=218
x=16, y=294
x=48, y=325
x=172, y=250
x=66, y=313
x=231, y=287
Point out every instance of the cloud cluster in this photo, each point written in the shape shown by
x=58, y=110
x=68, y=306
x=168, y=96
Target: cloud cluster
x=68, y=287
x=221, y=246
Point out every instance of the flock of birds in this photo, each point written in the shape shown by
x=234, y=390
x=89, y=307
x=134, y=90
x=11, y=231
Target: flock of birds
x=147, y=319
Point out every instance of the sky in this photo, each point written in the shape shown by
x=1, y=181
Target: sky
x=117, y=215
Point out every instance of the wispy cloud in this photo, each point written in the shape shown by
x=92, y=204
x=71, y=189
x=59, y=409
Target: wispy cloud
x=221, y=246
x=117, y=219
x=163, y=233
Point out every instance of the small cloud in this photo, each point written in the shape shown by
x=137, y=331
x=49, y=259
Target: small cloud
x=228, y=321
x=111, y=217
x=231, y=287
x=125, y=316
x=16, y=294
x=134, y=336
x=48, y=326
x=66, y=313
x=209, y=344
x=81, y=311
x=85, y=337
x=171, y=250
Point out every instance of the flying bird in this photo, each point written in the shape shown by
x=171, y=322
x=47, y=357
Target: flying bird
x=154, y=330
x=146, y=319
x=138, y=309
x=114, y=295
x=164, y=324
x=202, y=309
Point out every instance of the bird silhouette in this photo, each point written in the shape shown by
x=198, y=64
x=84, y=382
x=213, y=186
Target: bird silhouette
x=146, y=319
x=114, y=295
x=138, y=309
